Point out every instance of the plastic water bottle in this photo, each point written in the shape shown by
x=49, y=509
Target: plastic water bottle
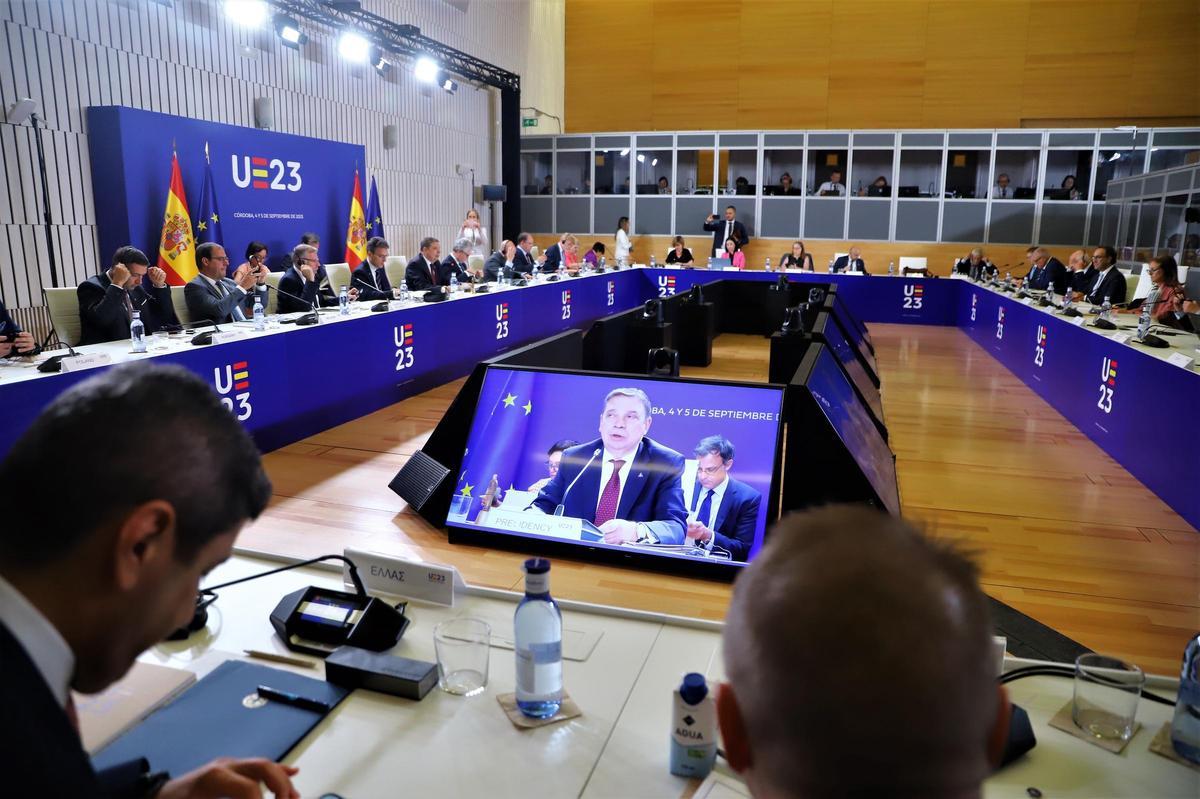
x=1106, y=311
x=1185, y=727
x=1067, y=300
x=260, y=314
x=1008, y=278
x=653, y=261
x=831, y=266
x=710, y=260
x=768, y=263
x=562, y=270
x=892, y=268
x=537, y=639
x=137, y=332
x=693, y=729
x=1144, y=321
x=453, y=284
x=344, y=301
x=603, y=261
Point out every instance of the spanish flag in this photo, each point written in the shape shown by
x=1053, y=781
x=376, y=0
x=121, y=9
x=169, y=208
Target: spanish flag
x=356, y=232
x=177, y=247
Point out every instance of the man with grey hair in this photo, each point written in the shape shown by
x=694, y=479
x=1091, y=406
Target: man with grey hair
x=370, y=278
x=859, y=662
x=1082, y=273
x=455, y=264
x=624, y=483
x=974, y=264
x=1046, y=273
x=723, y=512
x=304, y=285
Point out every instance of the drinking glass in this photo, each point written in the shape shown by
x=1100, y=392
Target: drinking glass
x=1107, y=691
x=462, y=647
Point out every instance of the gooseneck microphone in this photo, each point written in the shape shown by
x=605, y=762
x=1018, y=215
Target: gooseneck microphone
x=558, y=511
x=378, y=307
x=312, y=305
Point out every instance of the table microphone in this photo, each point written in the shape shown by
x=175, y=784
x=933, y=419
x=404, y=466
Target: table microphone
x=378, y=307
x=310, y=318
x=558, y=511
x=54, y=362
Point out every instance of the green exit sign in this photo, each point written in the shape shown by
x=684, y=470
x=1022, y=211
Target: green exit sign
x=529, y=122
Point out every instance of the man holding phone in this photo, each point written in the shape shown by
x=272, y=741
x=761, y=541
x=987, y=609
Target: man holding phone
x=14, y=340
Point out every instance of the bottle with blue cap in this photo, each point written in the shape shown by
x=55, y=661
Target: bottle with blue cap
x=537, y=641
x=693, y=729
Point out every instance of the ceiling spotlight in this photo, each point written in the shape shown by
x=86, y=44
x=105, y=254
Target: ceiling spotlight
x=641, y=158
x=288, y=30
x=376, y=58
x=654, y=162
x=625, y=152
x=426, y=70
x=247, y=13
x=353, y=47
x=1115, y=157
x=449, y=86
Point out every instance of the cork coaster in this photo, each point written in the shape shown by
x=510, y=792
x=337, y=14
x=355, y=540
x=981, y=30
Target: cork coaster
x=1161, y=745
x=1062, y=720
x=568, y=710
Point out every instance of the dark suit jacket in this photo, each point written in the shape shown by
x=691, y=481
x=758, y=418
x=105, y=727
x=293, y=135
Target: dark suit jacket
x=205, y=302
x=1082, y=281
x=652, y=493
x=1053, y=277
x=736, y=519
x=523, y=263
x=368, y=275
x=449, y=268
x=8, y=328
x=963, y=267
x=717, y=226
x=1112, y=288
x=553, y=258
x=418, y=275
x=494, y=267
x=314, y=292
x=102, y=312
x=43, y=752
x=842, y=264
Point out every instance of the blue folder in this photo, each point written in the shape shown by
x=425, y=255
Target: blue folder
x=209, y=720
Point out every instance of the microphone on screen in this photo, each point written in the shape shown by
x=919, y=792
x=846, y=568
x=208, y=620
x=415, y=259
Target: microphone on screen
x=562, y=505
x=378, y=307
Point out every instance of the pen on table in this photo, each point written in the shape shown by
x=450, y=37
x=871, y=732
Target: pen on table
x=295, y=700
x=277, y=658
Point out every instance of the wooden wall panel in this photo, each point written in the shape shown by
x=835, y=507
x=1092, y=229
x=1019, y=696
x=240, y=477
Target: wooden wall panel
x=813, y=64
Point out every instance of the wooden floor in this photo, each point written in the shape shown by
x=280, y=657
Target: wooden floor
x=1061, y=531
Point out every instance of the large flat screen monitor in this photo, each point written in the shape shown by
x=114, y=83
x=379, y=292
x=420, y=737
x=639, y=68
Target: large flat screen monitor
x=855, y=332
x=838, y=403
x=552, y=441
x=826, y=329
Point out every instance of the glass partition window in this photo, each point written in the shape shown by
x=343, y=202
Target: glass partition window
x=783, y=172
x=871, y=169
x=920, y=173
x=536, y=177
x=822, y=166
x=1114, y=165
x=1129, y=221
x=968, y=173
x=693, y=171
x=739, y=174
x=1163, y=158
x=654, y=172
x=612, y=171
x=1147, y=235
x=1068, y=173
x=574, y=174
x=1016, y=174
x=1171, y=237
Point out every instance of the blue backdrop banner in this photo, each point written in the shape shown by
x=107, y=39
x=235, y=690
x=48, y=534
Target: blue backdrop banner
x=269, y=186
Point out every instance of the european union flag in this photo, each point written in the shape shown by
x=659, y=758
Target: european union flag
x=374, y=216
x=208, y=220
x=500, y=434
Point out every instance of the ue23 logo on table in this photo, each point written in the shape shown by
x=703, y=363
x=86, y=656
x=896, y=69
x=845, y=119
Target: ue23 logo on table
x=231, y=378
x=403, y=336
x=914, y=297
x=1039, y=350
x=1108, y=384
x=501, y=320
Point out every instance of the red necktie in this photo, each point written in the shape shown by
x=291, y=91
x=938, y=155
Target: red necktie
x=433, y=274
x=607, y=509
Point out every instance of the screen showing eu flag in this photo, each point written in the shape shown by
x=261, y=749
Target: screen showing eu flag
x=668, y=467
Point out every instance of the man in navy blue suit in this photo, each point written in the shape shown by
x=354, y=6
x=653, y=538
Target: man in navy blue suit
x=370, y=277
x=1046, y=273
x=623, y=482
x=724, y=511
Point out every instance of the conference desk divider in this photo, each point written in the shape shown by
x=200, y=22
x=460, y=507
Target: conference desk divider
x=286, y=384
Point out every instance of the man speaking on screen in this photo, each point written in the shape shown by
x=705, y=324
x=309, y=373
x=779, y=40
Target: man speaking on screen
x=623, y=482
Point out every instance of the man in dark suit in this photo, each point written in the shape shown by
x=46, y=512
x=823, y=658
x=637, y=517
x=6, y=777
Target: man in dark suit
x=305, y=286
x=14, y=340
x=724, y=511
x=627, y=485
x=455, y=265
x=107, y=301
x=112, y=572
x=1081, y=274
x=370, y=278
x=722, y=229
x=1046, y=273
x=523, y=261
x=219, y=299
x=851, y=262
x=499, y=263
x=424, y=272
x=1110, y=283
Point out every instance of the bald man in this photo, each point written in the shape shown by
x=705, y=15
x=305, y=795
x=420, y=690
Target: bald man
x=1081, y=273
x=859, y=661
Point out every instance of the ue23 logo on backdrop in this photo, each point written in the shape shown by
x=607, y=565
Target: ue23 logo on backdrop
x=261, y=173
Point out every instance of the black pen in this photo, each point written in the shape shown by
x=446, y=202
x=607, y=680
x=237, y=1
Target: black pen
x=295, y=700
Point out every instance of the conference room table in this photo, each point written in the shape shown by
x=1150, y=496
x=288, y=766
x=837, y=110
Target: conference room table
x=375, y=745
x=288, y=382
